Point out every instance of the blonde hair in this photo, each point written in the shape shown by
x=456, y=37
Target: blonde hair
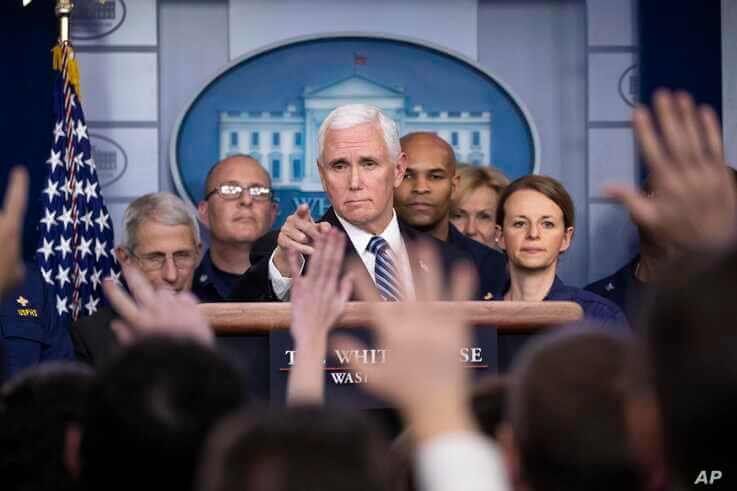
x=472, y=177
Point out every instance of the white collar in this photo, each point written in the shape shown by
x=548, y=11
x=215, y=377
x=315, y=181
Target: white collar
x=360, y=238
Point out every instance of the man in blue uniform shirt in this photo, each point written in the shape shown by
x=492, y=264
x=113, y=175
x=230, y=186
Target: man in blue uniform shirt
x=423, y=201
x=31, y=330
x=237, y=209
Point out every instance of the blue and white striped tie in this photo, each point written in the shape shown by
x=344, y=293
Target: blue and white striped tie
x=385, y=272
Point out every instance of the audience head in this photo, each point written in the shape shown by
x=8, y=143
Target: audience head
x=567, y=411
x=535, y=222
x=423, y=197
x=162, y=237
x=237, y=206
x=474, y=201
x=692, y=348
x=298, y=448
x=149, y=413
x=361, y=163
x=37, y=409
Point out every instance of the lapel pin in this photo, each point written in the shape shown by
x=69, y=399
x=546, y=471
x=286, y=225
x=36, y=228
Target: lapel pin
x=22, y=301
x=488, y=296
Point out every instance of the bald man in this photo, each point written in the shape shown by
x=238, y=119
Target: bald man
x=423, y=201
x=237, y=209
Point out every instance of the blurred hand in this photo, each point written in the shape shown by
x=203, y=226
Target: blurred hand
x=298, y=234
x=423, y=375
x=693, y=201
x=157, y=312
x=318, y=298
x=11, y=229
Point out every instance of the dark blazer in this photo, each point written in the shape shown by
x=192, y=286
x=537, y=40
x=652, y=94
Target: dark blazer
x=255, y=285
x=491, y=265
x=93, y=338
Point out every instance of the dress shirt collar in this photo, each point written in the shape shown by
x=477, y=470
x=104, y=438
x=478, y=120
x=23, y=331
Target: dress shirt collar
x=360, y=238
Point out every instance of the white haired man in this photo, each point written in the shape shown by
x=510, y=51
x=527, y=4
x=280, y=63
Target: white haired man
x=161, y=237
x=361, y=163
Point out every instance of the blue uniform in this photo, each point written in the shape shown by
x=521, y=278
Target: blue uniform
x=596, y=309
x=210, y=284
x=623, y=288
x=30, y=329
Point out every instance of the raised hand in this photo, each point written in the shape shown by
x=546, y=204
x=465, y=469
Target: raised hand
x=156, y=312
x=11, y=229
x=423, y=375
x=693, y=201
x=318, y=298
x=298, y=233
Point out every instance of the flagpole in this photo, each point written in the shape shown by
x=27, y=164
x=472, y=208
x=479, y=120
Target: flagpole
x=63, y=11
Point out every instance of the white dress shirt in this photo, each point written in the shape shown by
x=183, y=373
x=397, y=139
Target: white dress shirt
x=360, y=239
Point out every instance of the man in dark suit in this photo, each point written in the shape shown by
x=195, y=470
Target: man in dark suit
x=361, y=164
x=423, y=201
x=162, y=237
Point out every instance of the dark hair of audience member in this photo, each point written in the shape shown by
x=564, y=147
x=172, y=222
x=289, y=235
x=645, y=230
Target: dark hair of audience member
x=36, y=408
x=299, y=448
x=567, y=411
x=488, y=401
x=547, y=186
x=149, y=414
x=691, y=332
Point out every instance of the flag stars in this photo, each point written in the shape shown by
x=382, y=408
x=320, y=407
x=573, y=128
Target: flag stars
x=46, y=273
x=47, y=249
x=91, y=305
x=55, y=160
x=58, y=131
x=95, y=278
x=87, y=220
x=64, y=247
x=66, y=217
x=62, y=276
x=52, y=190
x=100, y=249
x=102, y=221
x=61, y=305
x=49, y=219
x=80, y=131
x=84, y=247
x=90, y=191
x=78, y=189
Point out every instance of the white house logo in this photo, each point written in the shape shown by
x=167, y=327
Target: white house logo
x=110, y=159
x=270, y=105
x=93, y=19
x=629, y=85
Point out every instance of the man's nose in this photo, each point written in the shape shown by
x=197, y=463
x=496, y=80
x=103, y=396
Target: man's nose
x=355, y=178
x=169, y=270
x=246, y=199
x=421, y=186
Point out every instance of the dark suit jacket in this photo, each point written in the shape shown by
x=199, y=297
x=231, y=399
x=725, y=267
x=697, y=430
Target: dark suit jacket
x=491, y=265
x=255, y=285
x=94, y=340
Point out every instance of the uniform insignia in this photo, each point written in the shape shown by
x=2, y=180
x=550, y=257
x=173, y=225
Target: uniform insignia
x=22, y=301
x=488, y=296
x=203, y=278
x=609, y=286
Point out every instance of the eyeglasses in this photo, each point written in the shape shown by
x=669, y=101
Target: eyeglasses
x=156, y=260
x=233, y=190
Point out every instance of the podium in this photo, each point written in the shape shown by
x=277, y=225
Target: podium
x=256, y=337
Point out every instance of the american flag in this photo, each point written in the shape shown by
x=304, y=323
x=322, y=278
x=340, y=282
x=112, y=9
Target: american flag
x=76, y=242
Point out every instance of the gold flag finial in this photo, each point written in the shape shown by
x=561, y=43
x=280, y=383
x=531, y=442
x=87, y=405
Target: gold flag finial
x=63, y=11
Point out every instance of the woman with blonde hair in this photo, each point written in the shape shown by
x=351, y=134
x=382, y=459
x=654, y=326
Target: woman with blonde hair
x=473, y=204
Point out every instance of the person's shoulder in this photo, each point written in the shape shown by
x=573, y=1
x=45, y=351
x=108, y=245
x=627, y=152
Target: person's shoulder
x=598, y=307
x=610, y=286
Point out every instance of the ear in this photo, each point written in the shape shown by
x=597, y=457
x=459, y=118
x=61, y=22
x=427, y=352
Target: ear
x=202, y=207
x=72, y=441
x=399, y=169
x=454, y=183
x=273, y=212
x=321, y=171
x=122, y=254
x=500, y=237
x=567, y=239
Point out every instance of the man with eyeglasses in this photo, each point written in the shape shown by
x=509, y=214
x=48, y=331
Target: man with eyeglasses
x=237, y=209
x=162, y=238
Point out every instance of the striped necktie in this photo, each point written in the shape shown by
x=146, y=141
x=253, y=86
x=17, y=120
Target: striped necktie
x=385, y=272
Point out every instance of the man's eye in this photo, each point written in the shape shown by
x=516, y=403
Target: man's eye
x=369, y=163
x=230, y=189
x=339, y=165
x=436, y=177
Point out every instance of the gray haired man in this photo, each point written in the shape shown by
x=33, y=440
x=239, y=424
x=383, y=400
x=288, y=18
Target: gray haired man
x=161, y=237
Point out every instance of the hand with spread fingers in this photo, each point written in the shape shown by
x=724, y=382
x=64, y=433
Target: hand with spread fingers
x=318, y=298
x=156, y=312
x=692, y=205
x=11, y=229
x=423, y=375
x=298, y=234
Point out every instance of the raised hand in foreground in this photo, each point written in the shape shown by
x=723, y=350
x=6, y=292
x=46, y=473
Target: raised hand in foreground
x=423, y=375
x=11, y=229
x=156, y=312
x=693, y=201
x=318, y=298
